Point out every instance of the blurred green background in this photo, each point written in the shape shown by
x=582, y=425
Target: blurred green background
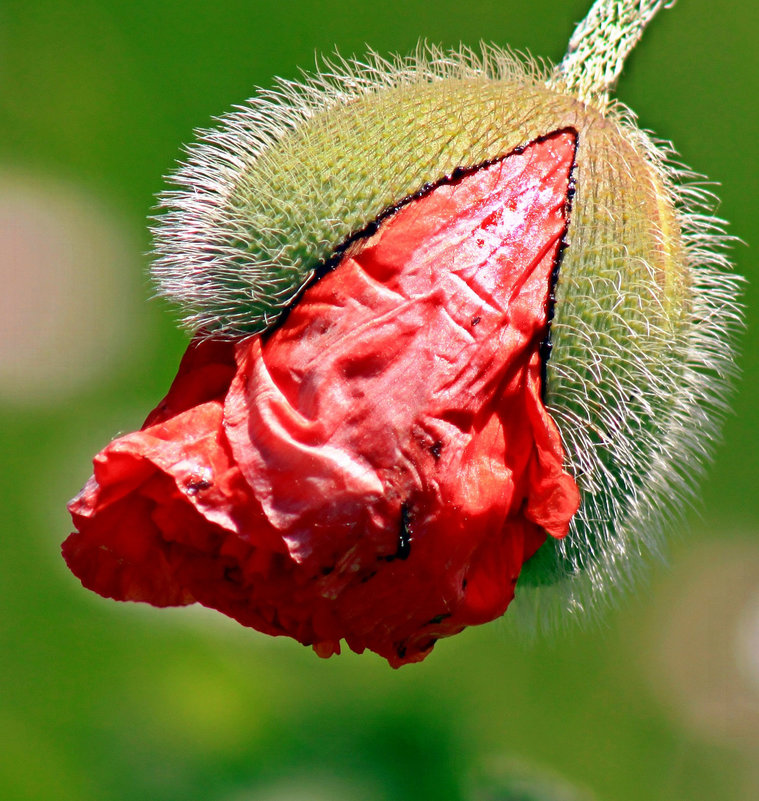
x=104, y=701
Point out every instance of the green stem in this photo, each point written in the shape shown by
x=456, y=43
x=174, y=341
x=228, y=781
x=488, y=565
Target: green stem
x=600, y=44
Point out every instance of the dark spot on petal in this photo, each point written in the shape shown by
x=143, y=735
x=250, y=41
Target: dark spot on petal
x=405, y=535
x=476, y=319
x=401, y=649
x=194, y=486
x=436, y=449
x=438, y=619
x=233, y=574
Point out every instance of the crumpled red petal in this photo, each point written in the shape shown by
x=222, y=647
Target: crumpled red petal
x=379, y=467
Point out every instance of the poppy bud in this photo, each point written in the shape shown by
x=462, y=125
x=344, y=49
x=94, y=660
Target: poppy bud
x=443, y=306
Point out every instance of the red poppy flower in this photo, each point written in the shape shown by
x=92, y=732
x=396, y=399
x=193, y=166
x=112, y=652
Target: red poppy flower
x=379, y=467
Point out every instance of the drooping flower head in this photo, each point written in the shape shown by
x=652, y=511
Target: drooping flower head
x=460, y=328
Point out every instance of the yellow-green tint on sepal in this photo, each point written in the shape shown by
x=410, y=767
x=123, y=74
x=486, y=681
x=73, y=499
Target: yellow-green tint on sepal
x=280, y=208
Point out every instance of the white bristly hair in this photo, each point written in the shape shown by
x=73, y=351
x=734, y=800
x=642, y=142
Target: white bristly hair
x=638, y=439
x=266, y=197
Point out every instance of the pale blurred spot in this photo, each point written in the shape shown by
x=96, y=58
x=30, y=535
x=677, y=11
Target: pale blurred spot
x=512, y=779
x=704, y=639
x=71, y=278
x=198, y=704
x=206, y=705
x=747, y=641
x=312, y=787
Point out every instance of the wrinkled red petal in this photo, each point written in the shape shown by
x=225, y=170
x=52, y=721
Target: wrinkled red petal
x=380, y=467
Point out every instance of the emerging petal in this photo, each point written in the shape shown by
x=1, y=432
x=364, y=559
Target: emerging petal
x=379, y=467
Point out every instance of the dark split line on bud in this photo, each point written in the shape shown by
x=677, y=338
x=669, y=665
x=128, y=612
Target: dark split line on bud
x=546, y=346
x=456, y=176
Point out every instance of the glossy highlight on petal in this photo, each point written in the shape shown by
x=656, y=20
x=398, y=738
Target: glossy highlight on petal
x=378, y=468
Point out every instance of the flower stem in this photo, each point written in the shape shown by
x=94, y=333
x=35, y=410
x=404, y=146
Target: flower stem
x=601, y=43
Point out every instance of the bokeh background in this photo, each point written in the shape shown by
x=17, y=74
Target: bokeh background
x=102, y=701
